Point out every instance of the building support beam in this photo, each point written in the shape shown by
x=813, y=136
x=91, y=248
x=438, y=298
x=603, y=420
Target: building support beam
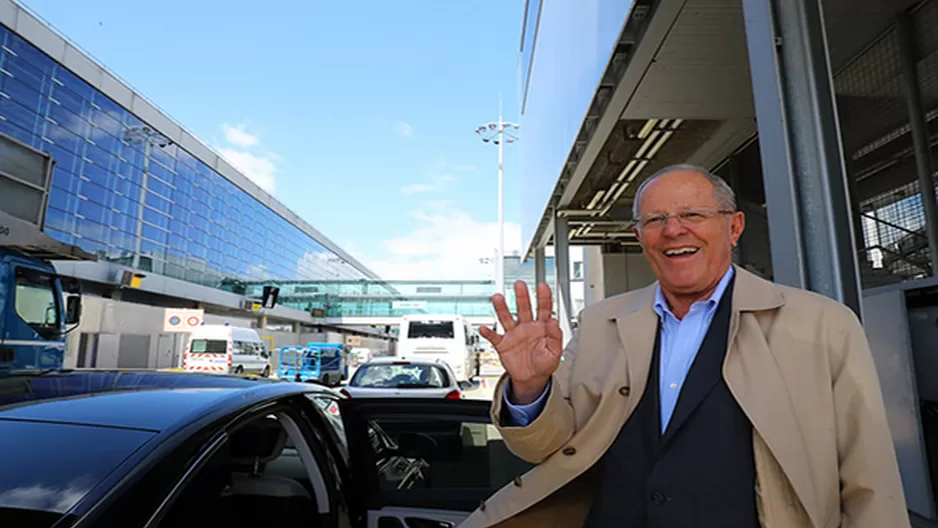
x=540, y=266
x=810, y=224
x=562, y=276
x=908, y=59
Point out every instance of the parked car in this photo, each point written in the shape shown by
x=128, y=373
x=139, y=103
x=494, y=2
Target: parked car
x=87, y=449
x=395, y=377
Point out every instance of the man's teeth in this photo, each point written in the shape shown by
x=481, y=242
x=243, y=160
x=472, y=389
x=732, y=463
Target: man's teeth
x=681, y=251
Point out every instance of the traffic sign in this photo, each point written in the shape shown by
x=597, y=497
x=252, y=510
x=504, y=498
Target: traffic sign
x=182, y=320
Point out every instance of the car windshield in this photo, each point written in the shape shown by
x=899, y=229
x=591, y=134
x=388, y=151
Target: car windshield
x=400, y=376
x=208, y=346
x=41, y=481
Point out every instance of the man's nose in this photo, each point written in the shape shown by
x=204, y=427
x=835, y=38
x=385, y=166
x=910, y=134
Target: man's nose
x=673, y=226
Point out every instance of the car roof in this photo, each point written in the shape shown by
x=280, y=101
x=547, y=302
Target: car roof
x=126, y=399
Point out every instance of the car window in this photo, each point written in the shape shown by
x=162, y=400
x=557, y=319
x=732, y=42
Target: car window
x=208, y=346
x=405, y=375
x=49, y=468
x=35, y=300
x=256, y=474
x=330, y=407
x=440, y=462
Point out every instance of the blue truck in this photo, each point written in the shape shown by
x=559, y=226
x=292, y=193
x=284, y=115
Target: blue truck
x=323, y=363
x=38, y=307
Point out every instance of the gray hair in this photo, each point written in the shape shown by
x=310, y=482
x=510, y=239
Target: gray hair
x=723, y=194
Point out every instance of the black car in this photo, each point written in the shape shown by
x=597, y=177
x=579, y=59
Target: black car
x=165, y=449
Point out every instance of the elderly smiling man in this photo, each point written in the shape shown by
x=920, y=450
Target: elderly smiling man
x=712, y=398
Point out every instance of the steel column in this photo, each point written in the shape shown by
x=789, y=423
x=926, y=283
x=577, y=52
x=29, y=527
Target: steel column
x=923, y=161
x=540, y=266
x=810, y=226
x=562, y=274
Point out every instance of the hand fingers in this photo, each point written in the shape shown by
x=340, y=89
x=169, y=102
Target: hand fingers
x=523, y=301
x=553, y=330
x=490, y=335
x=545, y=303
x=501, y=311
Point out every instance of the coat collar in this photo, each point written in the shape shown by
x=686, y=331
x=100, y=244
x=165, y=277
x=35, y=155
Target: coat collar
x=750, y=294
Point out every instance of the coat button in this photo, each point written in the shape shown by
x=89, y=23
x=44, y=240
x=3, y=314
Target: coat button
x=624, y=391
x=658, y=498
x=518, y=481
x=569, y=451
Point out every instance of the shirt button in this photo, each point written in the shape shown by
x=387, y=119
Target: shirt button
x=624, y=391
x=569, y=451
x=658, y=498
x=674, y=385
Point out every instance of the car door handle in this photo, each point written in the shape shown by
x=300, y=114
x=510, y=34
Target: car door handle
x=417, y=522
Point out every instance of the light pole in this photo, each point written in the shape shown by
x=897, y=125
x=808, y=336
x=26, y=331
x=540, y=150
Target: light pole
x=496, y=133
x=148, y=137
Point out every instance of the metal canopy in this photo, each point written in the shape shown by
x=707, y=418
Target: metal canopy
x=688, y=61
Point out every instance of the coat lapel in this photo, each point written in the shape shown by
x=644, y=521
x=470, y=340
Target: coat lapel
x=753, y=376
x=637, y=324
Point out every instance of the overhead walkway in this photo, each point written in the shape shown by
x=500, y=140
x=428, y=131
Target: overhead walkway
x=383, y=303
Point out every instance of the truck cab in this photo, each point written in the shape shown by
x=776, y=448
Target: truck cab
x=35, y=316
x=34, y=313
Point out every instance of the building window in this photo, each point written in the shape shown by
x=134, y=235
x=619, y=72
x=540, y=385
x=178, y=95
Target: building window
x=577, y=271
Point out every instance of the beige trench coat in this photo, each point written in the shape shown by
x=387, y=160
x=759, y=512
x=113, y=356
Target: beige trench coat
x=798, y=364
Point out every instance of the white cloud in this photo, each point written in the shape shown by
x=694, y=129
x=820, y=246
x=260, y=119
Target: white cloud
x=261, y=168
x=404, y=129
x=448, y=244
x=436, y=183
x=239, y=136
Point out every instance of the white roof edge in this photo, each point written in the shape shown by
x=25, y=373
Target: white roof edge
x=57, y=45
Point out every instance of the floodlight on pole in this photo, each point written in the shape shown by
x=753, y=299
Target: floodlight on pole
x=499, y=133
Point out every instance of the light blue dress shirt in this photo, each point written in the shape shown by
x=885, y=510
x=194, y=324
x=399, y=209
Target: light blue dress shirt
x=680, y=341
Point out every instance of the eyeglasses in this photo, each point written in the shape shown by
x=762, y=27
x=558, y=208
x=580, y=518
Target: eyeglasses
x=685, y=217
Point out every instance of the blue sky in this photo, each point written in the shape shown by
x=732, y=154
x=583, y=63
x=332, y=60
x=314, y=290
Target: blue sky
x=359, y=115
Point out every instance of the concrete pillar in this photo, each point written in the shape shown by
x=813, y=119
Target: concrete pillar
x=540, y=266
x=624, y=272
x=296, y=328
x=595, y=290
x=262, y=322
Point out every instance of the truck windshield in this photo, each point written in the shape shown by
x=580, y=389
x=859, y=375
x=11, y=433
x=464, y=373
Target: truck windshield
x=208, y=346
x=430, y=329
x=35, y=302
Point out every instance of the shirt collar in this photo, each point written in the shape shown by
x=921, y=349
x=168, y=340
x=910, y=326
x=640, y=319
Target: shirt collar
x=661, y=304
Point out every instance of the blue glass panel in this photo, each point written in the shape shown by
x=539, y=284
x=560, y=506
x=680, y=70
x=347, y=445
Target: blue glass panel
x=19, y=115
x=59, y=219
x=94, y=231
x=93, y=211
x=159, y=187
x=16, y=132
x=66, y=181
x=95, y=193
x=160, y=204
x=25, y=74
x=61, y=236
x=155, y=234
x=72, y=83
x=63, y=199
x=155, y=218
x=101, y=156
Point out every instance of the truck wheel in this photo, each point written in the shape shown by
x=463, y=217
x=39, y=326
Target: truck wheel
x=266, y=373
x=324, y=380
x=239, y=370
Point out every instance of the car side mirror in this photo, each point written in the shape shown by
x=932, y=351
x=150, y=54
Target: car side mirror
x=73, y=310
x=465, y=385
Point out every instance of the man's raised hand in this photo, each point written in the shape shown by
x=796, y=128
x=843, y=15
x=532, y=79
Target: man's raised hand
x=530, y=348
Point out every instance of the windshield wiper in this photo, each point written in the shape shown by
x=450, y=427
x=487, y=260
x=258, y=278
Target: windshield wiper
x=414, y=386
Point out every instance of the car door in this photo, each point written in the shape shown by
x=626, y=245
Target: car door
x=424, y=463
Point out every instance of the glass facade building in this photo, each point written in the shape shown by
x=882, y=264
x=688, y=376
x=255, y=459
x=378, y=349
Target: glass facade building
x=380, y=298
x=118, y=193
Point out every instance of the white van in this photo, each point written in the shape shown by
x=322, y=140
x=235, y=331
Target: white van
x=226, y=349
x=446, y=337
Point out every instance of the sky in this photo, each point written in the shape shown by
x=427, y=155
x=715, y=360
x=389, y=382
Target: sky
x=360, y=116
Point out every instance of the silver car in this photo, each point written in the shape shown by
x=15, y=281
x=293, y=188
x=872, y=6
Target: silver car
x=397, y=377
